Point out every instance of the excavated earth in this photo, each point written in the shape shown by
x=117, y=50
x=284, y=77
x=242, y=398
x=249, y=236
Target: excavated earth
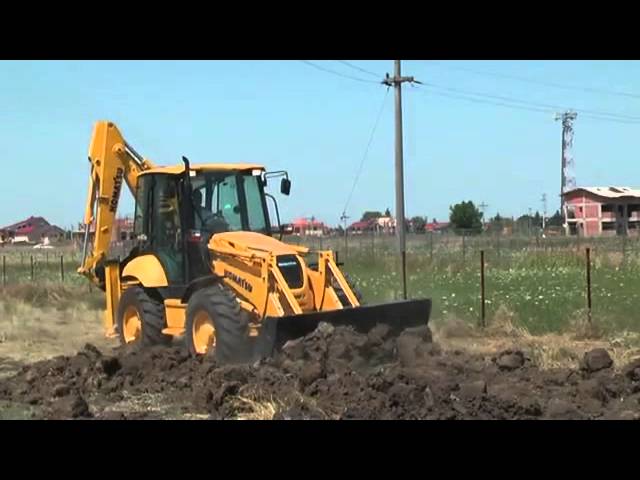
x=332, y=373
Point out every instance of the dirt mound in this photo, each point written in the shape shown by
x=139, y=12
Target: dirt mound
x=332, y=373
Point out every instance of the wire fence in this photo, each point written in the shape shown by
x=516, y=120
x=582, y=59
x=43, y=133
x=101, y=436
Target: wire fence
x=544, y=280
x=459, y=248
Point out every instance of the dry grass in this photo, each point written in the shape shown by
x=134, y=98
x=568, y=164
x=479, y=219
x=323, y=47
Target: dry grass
x=256, y=410
x=39, y=323
x=555, y=350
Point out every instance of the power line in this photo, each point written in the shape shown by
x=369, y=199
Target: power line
x=363, y=70
x=328, y=70
x=366, y=152
x=488, y=102
x=616, y=116
x=539, y=82
x=517, y=107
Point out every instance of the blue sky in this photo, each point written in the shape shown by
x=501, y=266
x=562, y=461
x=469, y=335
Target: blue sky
x=289, y=115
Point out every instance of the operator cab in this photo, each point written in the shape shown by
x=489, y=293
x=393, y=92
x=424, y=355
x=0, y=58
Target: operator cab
x=179, y=209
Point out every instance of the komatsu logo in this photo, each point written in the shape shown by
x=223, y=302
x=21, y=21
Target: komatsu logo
x=238, y=280
x=117, y=186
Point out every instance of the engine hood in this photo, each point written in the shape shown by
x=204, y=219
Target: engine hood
x=252, y=242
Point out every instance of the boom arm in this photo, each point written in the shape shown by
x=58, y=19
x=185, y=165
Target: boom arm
x=113, y=161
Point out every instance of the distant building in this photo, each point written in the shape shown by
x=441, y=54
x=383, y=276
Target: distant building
x=30, y=231
x=437, y=227
x=385, y=225
x=309, y=227
x=376, y=225
x=362, y=226
x=594, y=211
x=122, y=231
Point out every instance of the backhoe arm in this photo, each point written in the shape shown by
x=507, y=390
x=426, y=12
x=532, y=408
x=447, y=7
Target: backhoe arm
x=113, y=162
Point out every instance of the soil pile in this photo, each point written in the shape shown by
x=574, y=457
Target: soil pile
x=332, y=373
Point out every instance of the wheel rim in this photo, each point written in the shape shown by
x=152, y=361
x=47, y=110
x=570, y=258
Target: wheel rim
x=203, y=333
x=131, y=325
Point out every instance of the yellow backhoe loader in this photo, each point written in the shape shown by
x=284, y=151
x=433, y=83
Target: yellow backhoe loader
x=206, y=265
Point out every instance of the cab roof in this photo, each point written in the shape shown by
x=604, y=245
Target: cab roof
x=205, y=167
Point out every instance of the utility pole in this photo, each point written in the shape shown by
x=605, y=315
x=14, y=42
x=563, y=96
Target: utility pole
x=483, y=206
x=568, y=181
x=396, y=81
x=344, y=221
x=544, y=211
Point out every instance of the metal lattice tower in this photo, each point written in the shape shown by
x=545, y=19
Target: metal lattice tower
x=568, y=181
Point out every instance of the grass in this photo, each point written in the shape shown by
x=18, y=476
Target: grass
x=256, y=410
x=547, y=351
x=545, y=290
x=535, y=288
x=42, y=321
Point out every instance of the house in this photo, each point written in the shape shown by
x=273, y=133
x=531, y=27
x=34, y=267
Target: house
x=122, y=231
x=607, y=211
x=309, y=227
x=30, y=231
x=362, y=226
x=385, y=225
x=376, y=225
x=439, y=227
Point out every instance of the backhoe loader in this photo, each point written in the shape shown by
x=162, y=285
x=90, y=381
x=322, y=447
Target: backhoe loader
x=207, y=265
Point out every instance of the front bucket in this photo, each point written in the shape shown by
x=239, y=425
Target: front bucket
x=276, y=331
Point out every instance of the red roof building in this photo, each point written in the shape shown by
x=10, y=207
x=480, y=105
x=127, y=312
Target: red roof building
x=436, y=226
x=594, y=211
x=32, y=230
x=309, y=226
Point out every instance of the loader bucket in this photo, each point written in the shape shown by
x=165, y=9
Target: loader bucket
x=276, y=331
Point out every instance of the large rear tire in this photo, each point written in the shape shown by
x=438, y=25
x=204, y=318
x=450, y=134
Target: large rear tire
x=141, y=318
x=216, y=323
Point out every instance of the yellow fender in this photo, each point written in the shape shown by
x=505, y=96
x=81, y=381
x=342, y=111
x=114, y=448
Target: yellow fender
x=147, y=270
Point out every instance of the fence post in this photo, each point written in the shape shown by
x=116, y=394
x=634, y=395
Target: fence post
x=464, y=247
x=62, y=268
x=482, y=297
x=31, y=257
x=431, y=244
x=589, y=285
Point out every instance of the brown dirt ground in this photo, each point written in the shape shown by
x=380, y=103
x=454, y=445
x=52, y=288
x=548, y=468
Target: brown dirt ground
x=333, y=373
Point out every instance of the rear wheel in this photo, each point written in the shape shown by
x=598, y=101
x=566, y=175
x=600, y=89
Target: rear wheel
x=216, y=323
x=141, y=318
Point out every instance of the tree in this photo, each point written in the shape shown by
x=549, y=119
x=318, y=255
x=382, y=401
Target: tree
x=370, y=215
x=465, y=216
x=387, y=213
x=418, y=224
x=537, y=220
x=555, y=220
x=496, y=224
x=524, y=224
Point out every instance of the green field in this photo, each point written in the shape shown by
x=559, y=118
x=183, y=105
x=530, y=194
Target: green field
x=542, y=282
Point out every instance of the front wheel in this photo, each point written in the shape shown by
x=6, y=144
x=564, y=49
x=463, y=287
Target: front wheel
x=216, y=323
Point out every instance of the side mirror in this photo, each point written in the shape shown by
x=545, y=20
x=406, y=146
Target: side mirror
x=285, y=186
